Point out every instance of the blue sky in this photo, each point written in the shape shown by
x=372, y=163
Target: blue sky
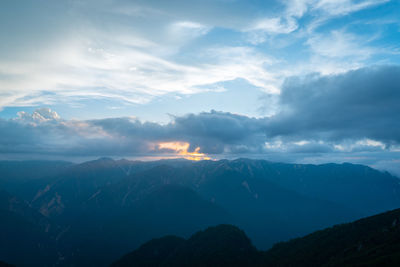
x=161, y=61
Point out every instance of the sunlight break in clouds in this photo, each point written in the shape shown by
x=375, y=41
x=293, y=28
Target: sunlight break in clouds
x=181, y=148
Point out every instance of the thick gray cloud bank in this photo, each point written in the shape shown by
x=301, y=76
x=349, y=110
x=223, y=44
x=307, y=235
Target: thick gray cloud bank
x=45, y=132
x=363, y=103
x=356, y=112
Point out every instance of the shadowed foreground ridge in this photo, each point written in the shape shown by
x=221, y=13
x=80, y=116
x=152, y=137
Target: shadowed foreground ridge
x=372, y=241
x=222, y=245
x=153, y=253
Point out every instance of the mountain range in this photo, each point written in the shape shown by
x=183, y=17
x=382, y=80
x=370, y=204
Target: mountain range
x=89, y=214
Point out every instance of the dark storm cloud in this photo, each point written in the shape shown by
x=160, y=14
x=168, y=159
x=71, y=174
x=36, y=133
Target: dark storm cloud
x=363, y=103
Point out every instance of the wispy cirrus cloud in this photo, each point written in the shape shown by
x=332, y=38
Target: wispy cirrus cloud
x=320, y=11
x=132, y=53
x=339, y=45
x=132, y=75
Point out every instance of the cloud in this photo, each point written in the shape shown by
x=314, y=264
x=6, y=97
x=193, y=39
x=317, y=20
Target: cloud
x=44, y=132
x=219, y=132
x=359, y=104
x=351, y=112
x=133, y=52
x=188, y=29
x=288, y=20
x=275, y=25
x=351, y=116
x=117, y=70
x=38, y=116
x=344, y=7
x=339, y=44
x=214, y=132
x=299, y=8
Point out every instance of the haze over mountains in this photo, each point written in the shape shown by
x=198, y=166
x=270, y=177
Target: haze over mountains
x=92, y=213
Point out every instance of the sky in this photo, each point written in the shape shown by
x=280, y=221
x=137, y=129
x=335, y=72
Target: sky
x=306, y=81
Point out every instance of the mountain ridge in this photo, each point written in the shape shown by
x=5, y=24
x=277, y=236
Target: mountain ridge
x=113, y=206
x=371, y=241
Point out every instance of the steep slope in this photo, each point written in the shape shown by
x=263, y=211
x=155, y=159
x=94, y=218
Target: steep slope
x=372, y=241
x=267, y=211
x=223, y=245
x=347, y=184
x=63, y=198
x=128, y=202
x=25, y=178
x=271, y=201
x=170, y=209
x=152, y=253
x=26, y=237
x=64, y=194
x=3, y=264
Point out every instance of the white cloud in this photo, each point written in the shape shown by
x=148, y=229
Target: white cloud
x=344, y=7
x=38, y=116
x=275, y=25
x=298, y=8
x=188, y=29
x=339, y=44
x=321, y=11
x=134, y=53
x=135, y=75
x=371, y=143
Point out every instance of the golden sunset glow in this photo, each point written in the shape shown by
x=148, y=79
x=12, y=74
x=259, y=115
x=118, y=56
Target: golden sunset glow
x=181, y=148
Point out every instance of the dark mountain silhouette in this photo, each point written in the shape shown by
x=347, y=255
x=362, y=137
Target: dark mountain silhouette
x=105, y=208
x=152, y=253
x=4, y=264
x=223, y=245
x=372, y=241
